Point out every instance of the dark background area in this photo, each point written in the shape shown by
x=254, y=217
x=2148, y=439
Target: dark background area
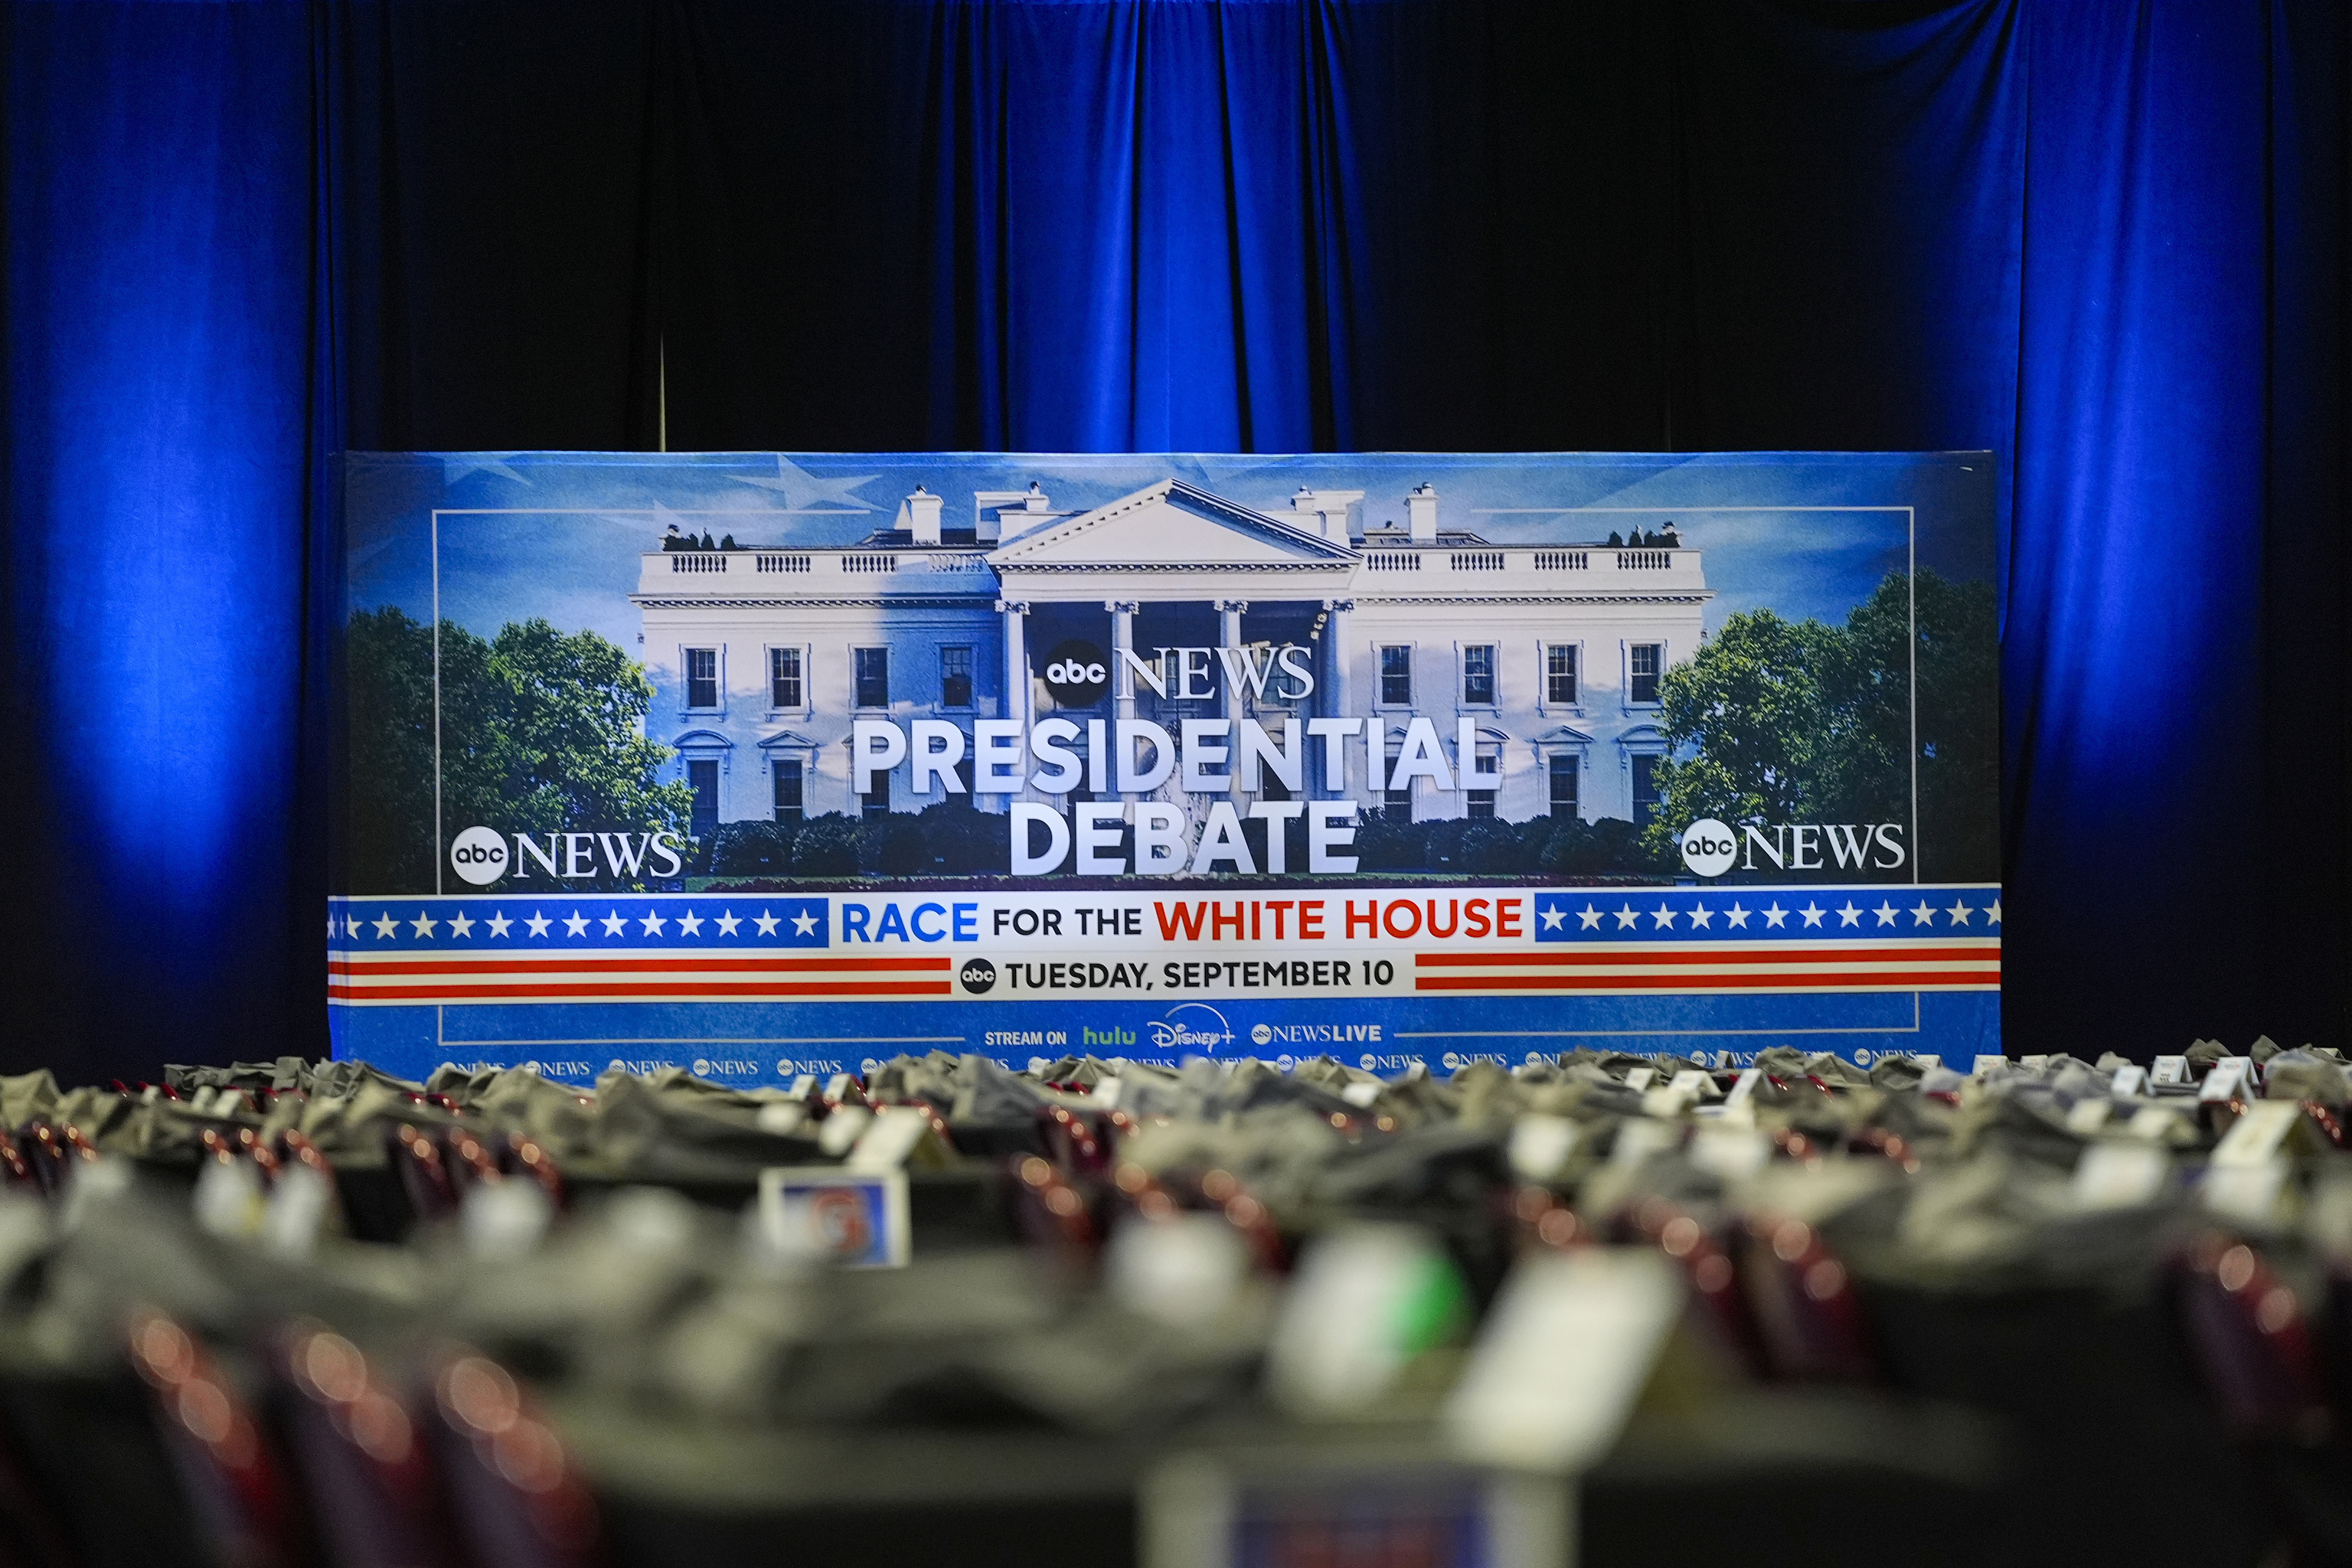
x=2104, y=240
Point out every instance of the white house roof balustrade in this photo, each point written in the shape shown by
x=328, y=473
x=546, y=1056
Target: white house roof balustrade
x=1168, y=541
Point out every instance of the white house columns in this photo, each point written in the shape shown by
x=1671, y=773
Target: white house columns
x=1015, y=613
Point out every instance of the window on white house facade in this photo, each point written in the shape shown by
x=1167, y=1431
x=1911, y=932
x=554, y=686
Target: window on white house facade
x=784, y=686
x=1563, y=781
x=1559, y=674
x=873, y=669
x=702, y=678
x=1479, y=675
x=1396, y=675
x=1643, y=670
x=955, y=678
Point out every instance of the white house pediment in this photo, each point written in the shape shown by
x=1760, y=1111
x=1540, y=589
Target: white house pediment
x=1564, y=735
x=788, y=741
x=1171, y=526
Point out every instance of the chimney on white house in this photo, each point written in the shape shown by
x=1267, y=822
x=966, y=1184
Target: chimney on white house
x=1006, y=515
x=1420, y=513
x=923, y=516
x=1324, y=512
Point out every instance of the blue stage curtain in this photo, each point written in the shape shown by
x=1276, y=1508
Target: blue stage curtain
x=2102, y=240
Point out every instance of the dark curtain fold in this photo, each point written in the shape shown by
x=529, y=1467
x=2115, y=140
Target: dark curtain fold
x=2103, y=241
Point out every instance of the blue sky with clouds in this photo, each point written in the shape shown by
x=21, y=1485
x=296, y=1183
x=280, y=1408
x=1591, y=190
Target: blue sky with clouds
x=558, y=535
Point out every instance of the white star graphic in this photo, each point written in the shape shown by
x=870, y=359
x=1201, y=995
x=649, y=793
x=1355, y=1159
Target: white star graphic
x=804, y=923
x=1626, y=917
x=537, y=923
x=1663, y=915
x=803, y=490
x=499, y=924
x=1992, y=915
x=1925, y=914
x=1886, y=913
x=577, y=925
x=1735, y=915
x=689, y=923
x=461, y=924
x=767, y=923
x=614, y=924
x=458, y=467
x=1701, y=916
x=351, y=925
x=1960, y=912
x=1554, y=919
x=1589, y=917
x=335, y=928
x=385, y=925
x=423, y=924
x=1775, y=916
x=1849, y=916
x=1813, y=913
x=728, y=922
x=652, y=924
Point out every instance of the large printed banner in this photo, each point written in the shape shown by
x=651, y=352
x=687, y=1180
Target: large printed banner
x=763, y=764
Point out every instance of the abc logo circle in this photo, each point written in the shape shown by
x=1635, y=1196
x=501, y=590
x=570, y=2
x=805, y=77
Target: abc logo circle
x=1076, y=673
x=979, y=976
x=479, y=856
x=1709, y=847
x=1263, y=1035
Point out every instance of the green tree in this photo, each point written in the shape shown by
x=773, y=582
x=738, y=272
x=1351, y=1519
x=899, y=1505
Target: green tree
x=1752, y=709
x=540, y=731
x=1781, y=721
x=1954, y=631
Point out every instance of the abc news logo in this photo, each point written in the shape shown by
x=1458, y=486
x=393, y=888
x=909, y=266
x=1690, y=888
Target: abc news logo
x=1076, y=673
x=1711, y=848
x=479, y=856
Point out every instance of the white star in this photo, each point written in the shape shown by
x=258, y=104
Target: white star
x=499, y=924
x=458, y=467
x=351, y=925
x=652, y=924
x=461, y=924
x=385, y=925
x=1925, y=914
x=803, y=490
x=423, y=924
x=804, y=923
x=728, y=922
x=1701, y=916
x=1589, y=917
x=1812, y=912
x=537, y=923
x=1775, y=915
x=1992, y=915
x=1626, y=917
x=1960, y=912
x=1737, y=916
x=1849, y=916
x=577, y=925
x=767, y=923
x=335, y=928
x=1554, y=919
x=689, y=923
x=1663, y=915
x=613, y=923
x=1886, y=913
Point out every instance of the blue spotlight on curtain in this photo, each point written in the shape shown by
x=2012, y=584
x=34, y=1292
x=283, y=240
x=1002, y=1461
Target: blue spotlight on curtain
x=159, y=296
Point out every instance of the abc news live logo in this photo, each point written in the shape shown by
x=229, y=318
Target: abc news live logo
x=1710, y=848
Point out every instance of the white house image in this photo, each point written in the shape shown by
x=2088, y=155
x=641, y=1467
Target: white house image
x=763, y=659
